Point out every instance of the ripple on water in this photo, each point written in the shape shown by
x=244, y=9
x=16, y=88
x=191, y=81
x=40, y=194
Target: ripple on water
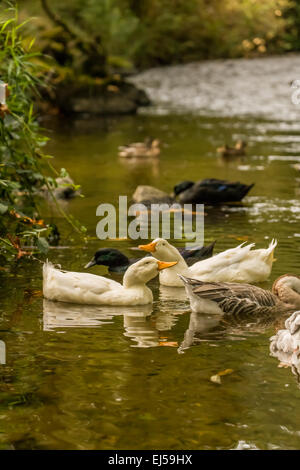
x=261, y=87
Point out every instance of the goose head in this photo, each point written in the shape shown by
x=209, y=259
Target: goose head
x=108, y=257
x=161, y=249
x=287, y=289
x=144, y=270
x=183, y=186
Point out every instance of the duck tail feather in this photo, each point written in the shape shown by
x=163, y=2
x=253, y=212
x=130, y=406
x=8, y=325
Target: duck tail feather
x=47, y=267
x=270, y=251
x=248, y=247
x=246, y=188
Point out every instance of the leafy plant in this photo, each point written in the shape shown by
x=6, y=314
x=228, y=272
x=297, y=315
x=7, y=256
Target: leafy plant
x=25, y=170
x=153, y=32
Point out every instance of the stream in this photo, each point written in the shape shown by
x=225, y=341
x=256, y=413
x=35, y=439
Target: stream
x=84, y=377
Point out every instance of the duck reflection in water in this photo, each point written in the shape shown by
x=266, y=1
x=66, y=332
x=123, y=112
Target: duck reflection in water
x=139, y=167
x=152, y=330
x=143, y=328
x=59, y=315
x=140, y=329
x=172, y=294
x=214, y=328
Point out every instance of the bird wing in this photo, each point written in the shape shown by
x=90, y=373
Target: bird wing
x=70, y=284
x=293, y=323
x=234, y=298
x=88, y=282
x=221, y=260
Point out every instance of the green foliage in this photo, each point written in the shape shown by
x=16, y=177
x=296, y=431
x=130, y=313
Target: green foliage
x=151, y=32
x=183, y=31
x=292, y=34
x=22, y=161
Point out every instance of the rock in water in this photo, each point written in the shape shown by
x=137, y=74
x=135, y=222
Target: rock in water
x=123, y=98
x=148, y=195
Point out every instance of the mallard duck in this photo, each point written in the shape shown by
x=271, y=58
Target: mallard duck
x=117, y=262
x=239, y=264
x=211, y=191
x=235, y=299
x=148, y=148
x=197, y=253
x=83, y=288
x=237, y=151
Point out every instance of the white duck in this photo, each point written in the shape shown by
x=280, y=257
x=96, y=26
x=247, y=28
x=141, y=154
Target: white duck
x=84, y=288
x=239, y=264
x=286, y=342
x=285, y=345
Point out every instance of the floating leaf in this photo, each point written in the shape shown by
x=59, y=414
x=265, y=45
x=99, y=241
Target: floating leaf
x=172, y=344
x=243, y=238
x=225, y=372
x=217, y=378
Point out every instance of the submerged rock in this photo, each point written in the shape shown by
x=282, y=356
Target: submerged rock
x=122, y=98
x=64, y=190
x=148, y=195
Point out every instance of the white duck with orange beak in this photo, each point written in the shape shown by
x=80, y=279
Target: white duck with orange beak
x=239, y=264
x=89, y=289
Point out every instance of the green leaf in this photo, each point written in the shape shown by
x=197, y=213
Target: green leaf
x=3, y=208
x=42, y=244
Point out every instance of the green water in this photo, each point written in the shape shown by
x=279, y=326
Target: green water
x=104, y=378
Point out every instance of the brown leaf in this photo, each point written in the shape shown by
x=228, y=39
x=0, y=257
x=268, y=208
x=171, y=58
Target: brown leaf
x=172, y=344
x=217, y=378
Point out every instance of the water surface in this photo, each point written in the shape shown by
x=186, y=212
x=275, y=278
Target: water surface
x=121, y=378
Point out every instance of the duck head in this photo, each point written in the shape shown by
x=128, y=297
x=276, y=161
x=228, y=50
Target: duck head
x=183, y=186
x=108, y=257
x=152, y=143
x=287, y=288
x=241, y=145
x=161, y=249
x=155, y=143
x=144, y=270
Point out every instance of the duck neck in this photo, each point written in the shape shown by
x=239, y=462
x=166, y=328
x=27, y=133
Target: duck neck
x=289, y=292
x=181, y=265
x=130, y=281
x=118, y=269
x=169, y=277
x=291, y=297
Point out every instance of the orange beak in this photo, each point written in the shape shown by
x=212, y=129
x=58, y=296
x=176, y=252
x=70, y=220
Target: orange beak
x=165, y=264
x=150, y=247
